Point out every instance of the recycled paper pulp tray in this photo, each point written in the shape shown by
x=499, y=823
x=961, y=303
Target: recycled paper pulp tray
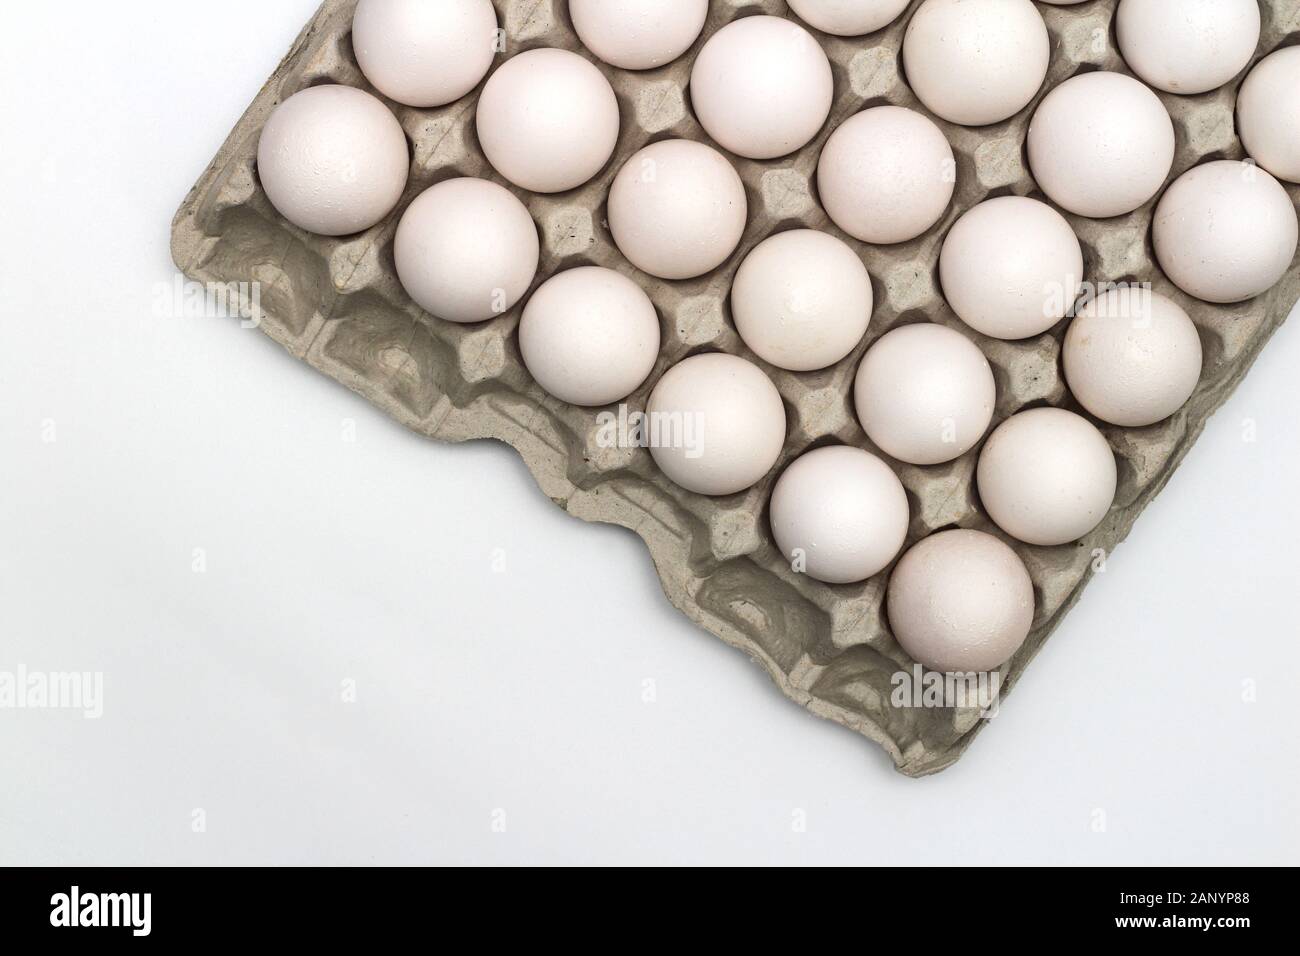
x=337, y=304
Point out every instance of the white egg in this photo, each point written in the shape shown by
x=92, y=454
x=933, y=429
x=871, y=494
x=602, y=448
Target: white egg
x=548, y=120
x=886, y=175
x=333, y=160
x=848, y=18
x=839, y=514
x=1047, y=476
x=1225, y=231
x=1029, y=285
x=589, y=336
x=677, y=209
x=638, y=34
x=1268, y=113
x=1187, y=46
x=762, y=87
x=1101, y=161
x=801, y=300
x=1132, y=357
x=976, y=62
x=924, y=394
x=960, y=601
x=424, y=54
x=717, y=424
x=466, y=250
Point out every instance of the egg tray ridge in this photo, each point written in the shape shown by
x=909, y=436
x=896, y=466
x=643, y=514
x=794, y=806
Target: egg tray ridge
x=337, y=304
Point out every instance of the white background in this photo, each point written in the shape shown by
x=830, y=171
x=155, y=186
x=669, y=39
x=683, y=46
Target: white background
x=482, y=693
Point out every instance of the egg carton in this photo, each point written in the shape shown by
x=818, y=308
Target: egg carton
x=337, y=304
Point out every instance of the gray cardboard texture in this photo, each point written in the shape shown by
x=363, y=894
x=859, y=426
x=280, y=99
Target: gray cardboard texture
x=336, y=304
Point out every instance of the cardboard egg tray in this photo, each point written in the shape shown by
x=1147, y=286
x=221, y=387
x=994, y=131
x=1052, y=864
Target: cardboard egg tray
x=337, y=304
